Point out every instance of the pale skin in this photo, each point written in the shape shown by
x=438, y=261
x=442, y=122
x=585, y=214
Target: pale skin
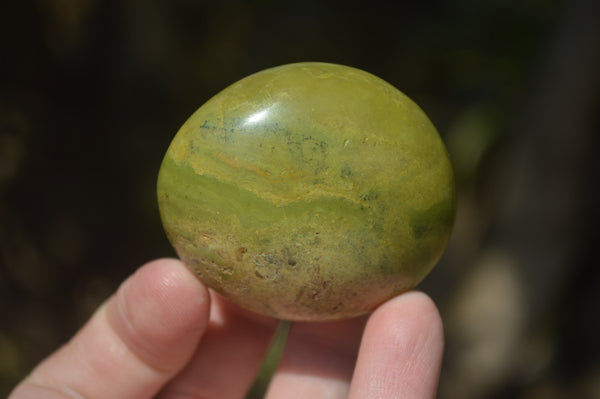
x=165, y=335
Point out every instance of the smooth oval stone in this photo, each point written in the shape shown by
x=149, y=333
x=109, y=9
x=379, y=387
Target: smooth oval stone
x=308, y=191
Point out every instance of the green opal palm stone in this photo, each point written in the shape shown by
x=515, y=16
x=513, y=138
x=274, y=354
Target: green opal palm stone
x=308, y=191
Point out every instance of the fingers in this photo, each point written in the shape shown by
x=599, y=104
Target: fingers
x=138, y=340
x=156, y=329
x=229, y=357
x=318, y=360
x=400, y=355
x=401, y=352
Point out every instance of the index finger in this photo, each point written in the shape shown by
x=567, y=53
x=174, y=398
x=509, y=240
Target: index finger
x=401, y=351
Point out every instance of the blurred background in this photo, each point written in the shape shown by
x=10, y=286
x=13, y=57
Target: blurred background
x=92, y=92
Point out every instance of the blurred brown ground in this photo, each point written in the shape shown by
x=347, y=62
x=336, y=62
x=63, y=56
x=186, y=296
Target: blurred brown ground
x=91, y=93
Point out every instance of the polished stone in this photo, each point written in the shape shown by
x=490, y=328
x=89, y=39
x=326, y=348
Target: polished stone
x=308, y=191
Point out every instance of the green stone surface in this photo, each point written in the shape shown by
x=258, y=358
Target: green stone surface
x=308, y=191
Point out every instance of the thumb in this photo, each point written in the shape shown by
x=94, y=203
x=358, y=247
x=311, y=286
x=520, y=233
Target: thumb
x=138, y=340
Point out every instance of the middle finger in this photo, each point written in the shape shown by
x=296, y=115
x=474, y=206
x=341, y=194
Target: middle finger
x=318, y=360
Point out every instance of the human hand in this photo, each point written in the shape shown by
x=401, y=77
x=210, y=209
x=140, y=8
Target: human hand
x=165, y=335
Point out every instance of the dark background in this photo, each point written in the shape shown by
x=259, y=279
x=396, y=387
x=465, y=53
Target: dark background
x=92, y=92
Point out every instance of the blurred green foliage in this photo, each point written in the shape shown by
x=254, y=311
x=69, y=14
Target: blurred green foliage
x=91, y=93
